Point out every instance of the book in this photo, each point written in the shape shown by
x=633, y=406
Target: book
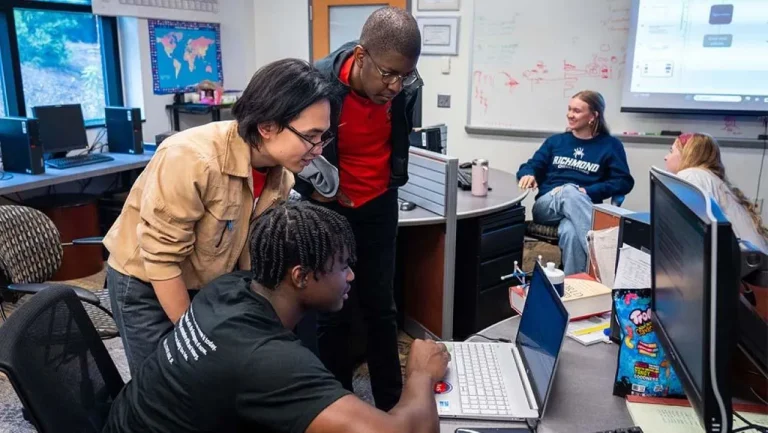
x=584, y=297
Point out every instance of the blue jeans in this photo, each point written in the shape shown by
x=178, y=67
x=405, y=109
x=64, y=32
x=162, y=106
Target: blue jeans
x=571, y=210
x=140, y=318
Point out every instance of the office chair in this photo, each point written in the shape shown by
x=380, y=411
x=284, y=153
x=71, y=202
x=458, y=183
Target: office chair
x=31, y=253
x=57, y=364
x=548, y=233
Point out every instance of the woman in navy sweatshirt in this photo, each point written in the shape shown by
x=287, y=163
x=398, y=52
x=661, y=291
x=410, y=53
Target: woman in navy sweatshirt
x=574, y=169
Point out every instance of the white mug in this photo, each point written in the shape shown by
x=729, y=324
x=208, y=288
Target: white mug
x=480, y=177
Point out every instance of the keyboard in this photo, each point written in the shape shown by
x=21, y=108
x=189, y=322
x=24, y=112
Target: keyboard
x=480, y=381
x=623, y=430
x=78, y=160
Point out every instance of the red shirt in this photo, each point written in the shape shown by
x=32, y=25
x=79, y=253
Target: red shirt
x=364, y=146
x=259, y=179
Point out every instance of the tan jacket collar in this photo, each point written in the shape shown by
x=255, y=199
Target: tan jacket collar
x=237, y=154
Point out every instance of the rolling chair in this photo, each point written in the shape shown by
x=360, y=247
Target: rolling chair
x=548, y=233
x=57, y=364
x=31, y=253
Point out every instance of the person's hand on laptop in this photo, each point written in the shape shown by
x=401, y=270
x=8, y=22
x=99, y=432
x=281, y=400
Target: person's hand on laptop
x=429, y=357
x=416, y=412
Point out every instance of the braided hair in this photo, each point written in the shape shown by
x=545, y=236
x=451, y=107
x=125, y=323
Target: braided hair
x=298, y=234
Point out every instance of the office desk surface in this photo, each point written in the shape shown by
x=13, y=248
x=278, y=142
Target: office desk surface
x=25, y=182
x=504, y=195
x=582, y=398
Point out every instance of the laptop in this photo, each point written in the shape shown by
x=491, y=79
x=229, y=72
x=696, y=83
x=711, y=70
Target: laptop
x=508, y=381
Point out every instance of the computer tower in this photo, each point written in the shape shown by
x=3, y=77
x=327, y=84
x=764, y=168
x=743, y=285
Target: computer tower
x=20, y=145
x=124, y=134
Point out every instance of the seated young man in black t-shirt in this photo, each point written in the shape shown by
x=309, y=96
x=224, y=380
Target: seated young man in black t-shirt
x=232, y=364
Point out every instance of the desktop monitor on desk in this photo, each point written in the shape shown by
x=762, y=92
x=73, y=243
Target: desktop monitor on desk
x=695, y=281
x=62, y=128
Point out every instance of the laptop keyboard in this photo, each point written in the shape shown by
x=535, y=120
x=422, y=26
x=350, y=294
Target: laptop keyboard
x=480, y=381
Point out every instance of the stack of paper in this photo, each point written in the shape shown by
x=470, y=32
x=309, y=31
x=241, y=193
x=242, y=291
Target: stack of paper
x=658, y=418
x=590, y=331
x=602, y=254
x=634, y=269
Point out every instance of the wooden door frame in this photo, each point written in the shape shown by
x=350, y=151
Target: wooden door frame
x=320, y=14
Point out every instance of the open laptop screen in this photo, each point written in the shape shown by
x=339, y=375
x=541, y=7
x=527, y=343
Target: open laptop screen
x=541, y=333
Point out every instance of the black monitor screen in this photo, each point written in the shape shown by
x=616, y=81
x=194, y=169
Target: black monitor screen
x=62, y=127
x=541, y=332
x=680, y=272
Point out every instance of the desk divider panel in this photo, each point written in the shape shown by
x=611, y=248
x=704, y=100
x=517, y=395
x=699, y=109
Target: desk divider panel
x=433, y=185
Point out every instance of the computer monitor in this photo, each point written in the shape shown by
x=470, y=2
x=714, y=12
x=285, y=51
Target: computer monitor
x=695, y=281
x=62, y=128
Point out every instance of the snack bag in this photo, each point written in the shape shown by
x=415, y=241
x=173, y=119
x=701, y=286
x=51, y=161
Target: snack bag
x=643, y=368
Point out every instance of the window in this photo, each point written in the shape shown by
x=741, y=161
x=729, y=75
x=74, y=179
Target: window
x=60, y=54
x=61, y=60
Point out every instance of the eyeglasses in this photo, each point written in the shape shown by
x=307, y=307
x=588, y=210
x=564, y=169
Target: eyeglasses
x=322, y=143
x=392, y=78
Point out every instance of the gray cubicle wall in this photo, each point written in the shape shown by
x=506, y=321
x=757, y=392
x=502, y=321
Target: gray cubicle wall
x=433, y=185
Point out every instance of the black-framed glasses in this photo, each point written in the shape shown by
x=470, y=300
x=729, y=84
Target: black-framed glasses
x=324, y=141
x=391, y=77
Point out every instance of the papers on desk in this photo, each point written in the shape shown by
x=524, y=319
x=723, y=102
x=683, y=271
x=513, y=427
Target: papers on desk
x=590, y=331
x=602, y=254
x=634, y=269
x=659, y=418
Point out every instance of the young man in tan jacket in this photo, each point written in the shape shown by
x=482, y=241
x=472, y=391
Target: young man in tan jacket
x=188, y=216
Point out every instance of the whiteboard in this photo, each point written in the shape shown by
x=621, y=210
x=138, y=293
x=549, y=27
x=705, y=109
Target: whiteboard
x=529, y=57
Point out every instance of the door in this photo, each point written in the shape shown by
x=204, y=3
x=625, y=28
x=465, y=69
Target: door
x=335, y=22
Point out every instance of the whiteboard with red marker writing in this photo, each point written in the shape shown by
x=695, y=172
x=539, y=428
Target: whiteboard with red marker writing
x=528, y=57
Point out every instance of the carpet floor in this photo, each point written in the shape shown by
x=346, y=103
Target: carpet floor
x=11, y=420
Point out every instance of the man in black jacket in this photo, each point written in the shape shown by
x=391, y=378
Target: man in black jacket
x=380, y=80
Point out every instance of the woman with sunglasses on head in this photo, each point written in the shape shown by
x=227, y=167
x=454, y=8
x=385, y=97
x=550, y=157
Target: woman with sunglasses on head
x=696, y=159
x=187, y=217
x=379, y=76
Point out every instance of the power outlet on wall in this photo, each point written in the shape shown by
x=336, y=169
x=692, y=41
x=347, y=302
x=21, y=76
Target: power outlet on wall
x=443, y=101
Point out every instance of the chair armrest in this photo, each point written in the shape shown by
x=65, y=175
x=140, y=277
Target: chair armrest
x=617, y=200
x=93, y=240
x=82, y=294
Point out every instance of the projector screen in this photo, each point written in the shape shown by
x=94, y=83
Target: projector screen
x=697, y=56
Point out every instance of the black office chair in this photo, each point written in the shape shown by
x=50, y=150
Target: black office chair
x=31, y=253
x=57, y=363
x=548, y=233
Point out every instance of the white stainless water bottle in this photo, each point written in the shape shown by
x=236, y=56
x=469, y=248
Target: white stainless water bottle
x=480, y=177
x=556, y=277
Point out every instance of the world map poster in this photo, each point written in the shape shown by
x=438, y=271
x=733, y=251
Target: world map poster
x=183, y=54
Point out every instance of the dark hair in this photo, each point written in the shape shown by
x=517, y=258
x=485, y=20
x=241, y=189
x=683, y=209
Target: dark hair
x=596, y=104
x=298, y=234
x=391, y=29
x=279, y=92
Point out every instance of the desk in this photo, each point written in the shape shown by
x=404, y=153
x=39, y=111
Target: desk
x=427, y=303
x=505, y=194
x=581, y=400
x=25, y=182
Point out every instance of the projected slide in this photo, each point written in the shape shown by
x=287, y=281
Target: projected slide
x=698, y=55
